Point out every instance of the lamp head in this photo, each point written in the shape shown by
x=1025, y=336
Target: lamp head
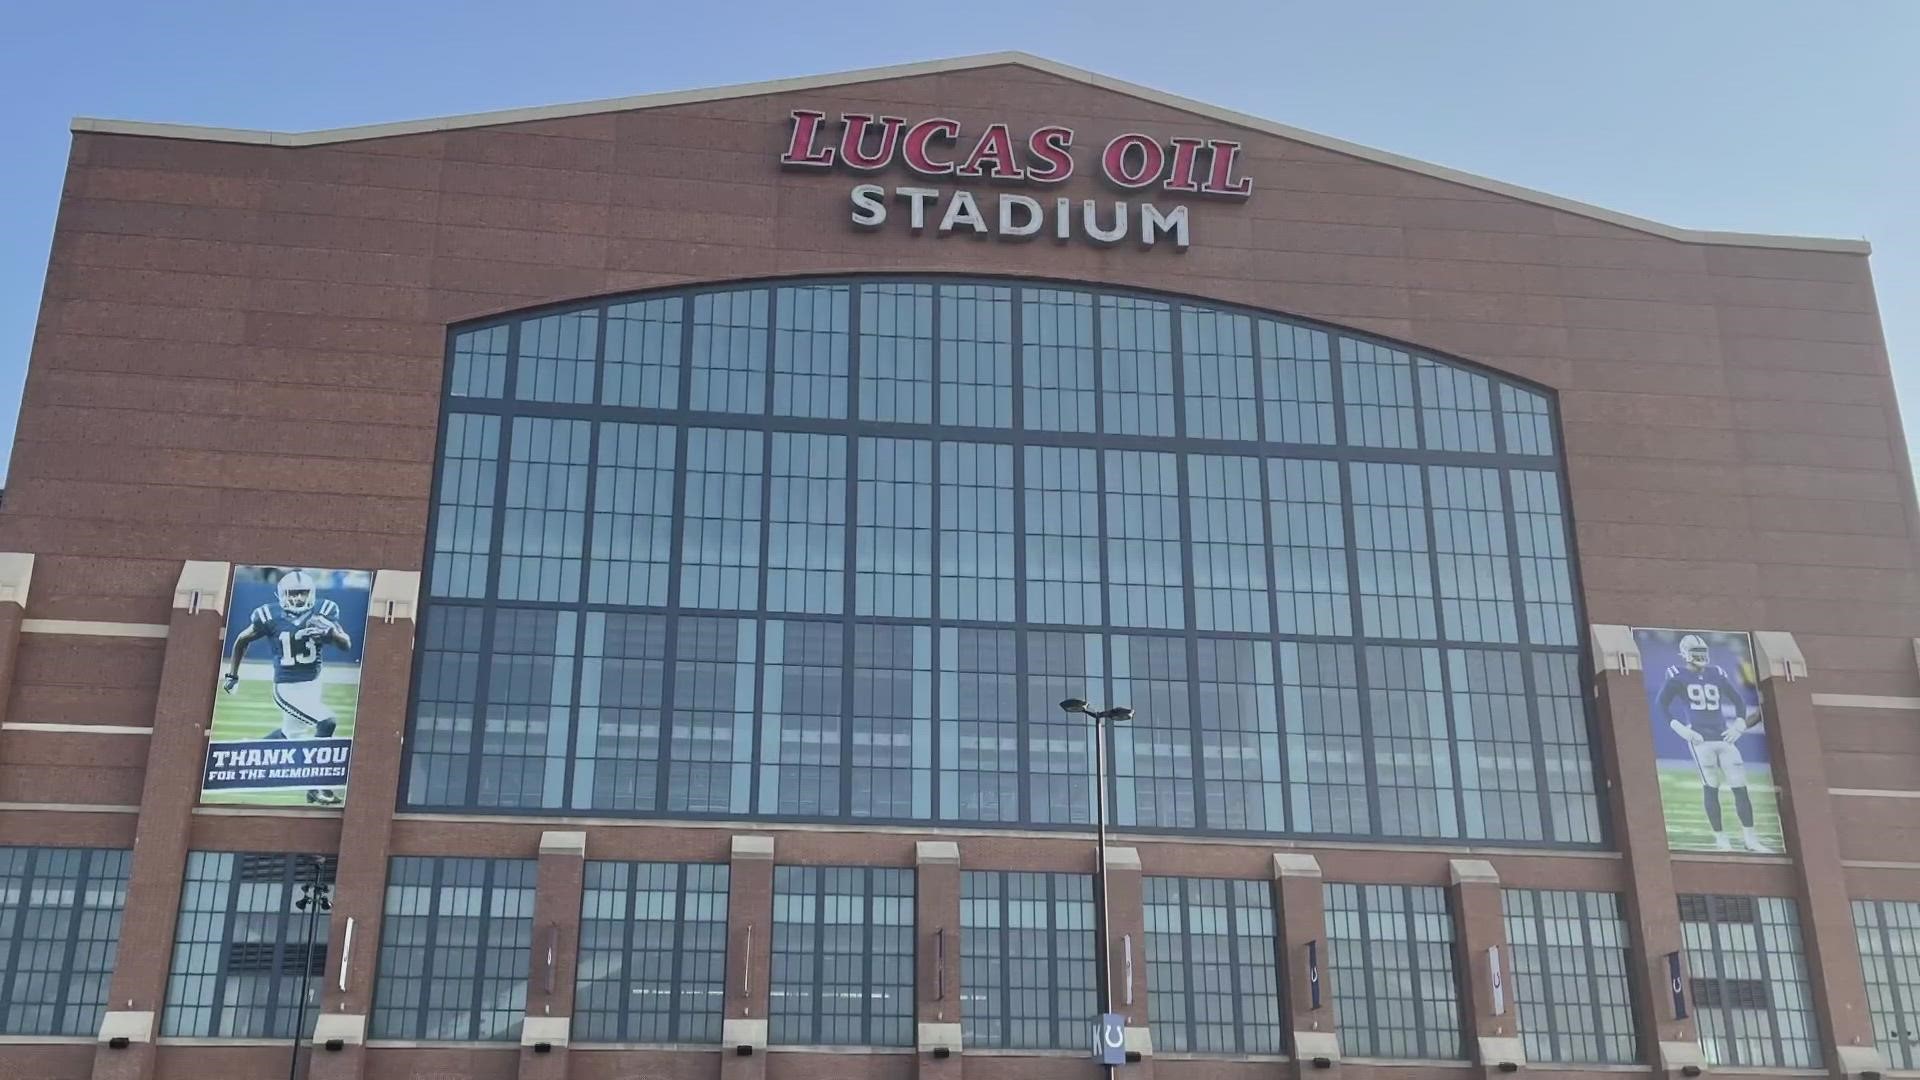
x=1074, y=704
x=1120, y=714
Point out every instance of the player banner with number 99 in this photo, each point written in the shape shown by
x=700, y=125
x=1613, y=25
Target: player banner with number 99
x=289, y=687
x=1709, y=741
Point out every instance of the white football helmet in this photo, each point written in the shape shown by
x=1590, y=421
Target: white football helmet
x=297, y=592
x=1693, y=649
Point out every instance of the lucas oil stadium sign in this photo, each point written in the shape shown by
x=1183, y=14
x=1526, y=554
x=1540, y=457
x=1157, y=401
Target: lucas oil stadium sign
x=939, y=147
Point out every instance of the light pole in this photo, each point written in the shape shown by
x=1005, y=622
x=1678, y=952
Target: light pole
x=1103, y=968
x=315, y=897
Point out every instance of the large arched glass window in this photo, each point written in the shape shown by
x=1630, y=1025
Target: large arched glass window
x=833, y=549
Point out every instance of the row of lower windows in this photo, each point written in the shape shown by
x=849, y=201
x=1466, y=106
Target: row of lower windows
x=457, y=939
x=648, y=714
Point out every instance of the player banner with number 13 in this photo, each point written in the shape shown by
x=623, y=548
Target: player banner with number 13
x=1709, y=741
x=289, y=687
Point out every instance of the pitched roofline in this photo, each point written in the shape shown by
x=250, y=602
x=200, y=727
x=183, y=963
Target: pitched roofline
x=968, y=63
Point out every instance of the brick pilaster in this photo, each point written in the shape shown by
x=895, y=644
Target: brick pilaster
x=936, y=898
x=556, y=942
x=1806, y=810
x=373, y=786
x=1486, y=1015
x=1670, y=1043
x=749, y=963
x=16, y=580
x=183, y=710
x=1302, y=924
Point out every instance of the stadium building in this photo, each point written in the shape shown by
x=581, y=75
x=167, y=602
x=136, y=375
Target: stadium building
x=589, y=592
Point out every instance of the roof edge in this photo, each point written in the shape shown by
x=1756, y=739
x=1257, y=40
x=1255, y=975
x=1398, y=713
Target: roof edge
x=1836, y=245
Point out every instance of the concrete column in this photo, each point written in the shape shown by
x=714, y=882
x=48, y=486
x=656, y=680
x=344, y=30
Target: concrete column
x=1668, y=1042
x=16, y=579
x=749, y=963
x=556, y=945
x=1826, y=916
x=1302, y=920
x=373, y=785
x=1481, y=931
x=1127, y=954
x=936, y=899
x=183, y=710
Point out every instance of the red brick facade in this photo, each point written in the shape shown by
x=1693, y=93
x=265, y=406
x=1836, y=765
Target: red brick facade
x=239, y=359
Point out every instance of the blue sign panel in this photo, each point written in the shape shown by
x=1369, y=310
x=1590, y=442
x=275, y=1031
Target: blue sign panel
x=1110, y=1039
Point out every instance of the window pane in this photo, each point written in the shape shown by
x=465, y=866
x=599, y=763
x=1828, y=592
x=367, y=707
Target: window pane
x=1390, y=951
x=1470, y=539
x=1060, y=744
x=1136, y=366
x=1211, y=971
x=463, y=514
x=1573, y=802
x=976, y=356
x=1217, y=354
x=1412, y=763
x=1297, y=383
x=1026, y=959
x=892, y=726
x=720, y=557
x=455, y=941
x=976, y=532
x=1749, y=988
x=1229, y=543
x=623, y=670
x=1546, y=583
x=810, y=352
x=643, y=353
x=842, y=957
x=1569, y=961
x=1390, y=531
x=1889, y=941
x=893, y=552
x=800, y=719
x=545, y=510
x=631, y=555
x=1495, y=736
x=979, y=726
x=710, y=748
x=60, y=911
x=1326, y=760
x=653, y=953
x=1529, y=426
x=896, y=353
x=479, y=363
x=523, y=745
x=1143, y=540
x=730, y=352
x=556, y=355
x=446, y=692
x=807, y=524
x=1456, y=408
x=1152, y=753
x=1378, y=385
x=1309, y=548
x=250, y=946
x=1056, y=360
x=1241, y=787
x=1063, y=535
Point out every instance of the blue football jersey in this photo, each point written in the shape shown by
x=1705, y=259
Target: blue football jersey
x=1705, y=700
x=296, y=659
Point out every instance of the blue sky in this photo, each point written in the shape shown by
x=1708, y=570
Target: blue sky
x=1755, y=115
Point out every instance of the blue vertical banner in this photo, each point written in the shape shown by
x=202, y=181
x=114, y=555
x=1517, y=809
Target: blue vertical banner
x=1110, y=1039
x=1677, y=984
x=288, y=687
x=1313, y=973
